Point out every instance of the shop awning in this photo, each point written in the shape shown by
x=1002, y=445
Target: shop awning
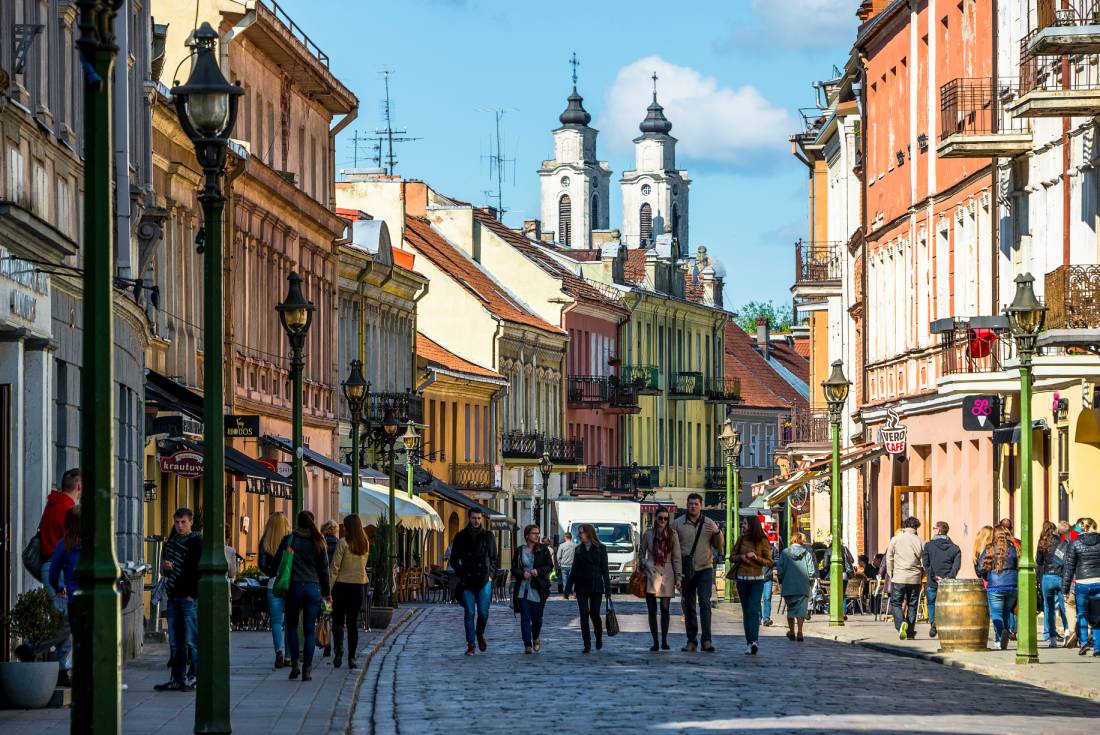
x=652, y=506
x=309, y=456
x=1010, y=433
x=260, y=478
x=168, y=395
x=374, y=502
x=443, y=490
x=787, y=487
x=851, y=457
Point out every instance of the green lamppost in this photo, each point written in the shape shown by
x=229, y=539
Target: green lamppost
x=411, y=440
x=730, y=441
x=385, y=438
x=356, y=389
x=542, y=511
x=207, y=109
x=97, y=624
x=296, y=314
x=836, y=394
x=1027, y=316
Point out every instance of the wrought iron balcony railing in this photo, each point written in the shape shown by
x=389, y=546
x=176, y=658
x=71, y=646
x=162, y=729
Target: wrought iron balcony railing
x=521, y=445
x=472, y=476
x=687, y=385
x=974, y=345
x=531, y=446
x=1061, y=27
x=809, y=427
x=1072, y=297
x=646, y=378
x=818, y=262
x=614, y=481
x=723, y=390
x=564, y=451
x=587, y=391
x=975, y=108
x=622, y=398
x=407, y=406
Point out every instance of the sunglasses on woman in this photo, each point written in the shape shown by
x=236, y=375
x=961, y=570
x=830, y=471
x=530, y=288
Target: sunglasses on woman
x=662, y=519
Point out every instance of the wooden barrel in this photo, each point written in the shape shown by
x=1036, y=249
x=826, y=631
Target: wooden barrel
x=962, y=615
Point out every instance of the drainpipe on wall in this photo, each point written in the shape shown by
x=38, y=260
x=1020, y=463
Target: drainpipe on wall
x=416, y=311
x=332, y=133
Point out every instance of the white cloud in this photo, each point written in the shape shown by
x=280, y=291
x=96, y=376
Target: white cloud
x=807, y=24
x=716, y=126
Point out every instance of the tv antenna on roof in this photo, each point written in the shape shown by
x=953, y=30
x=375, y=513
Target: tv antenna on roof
x=388, y=135
x=498, y=161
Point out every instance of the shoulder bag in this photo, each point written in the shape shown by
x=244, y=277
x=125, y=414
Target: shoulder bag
x=688, y=560
x=611, y=620
x=32, y=557
x=286, y=567
x=638, y=580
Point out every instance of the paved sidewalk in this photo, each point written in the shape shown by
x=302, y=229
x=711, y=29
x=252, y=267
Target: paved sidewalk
x=264, y=700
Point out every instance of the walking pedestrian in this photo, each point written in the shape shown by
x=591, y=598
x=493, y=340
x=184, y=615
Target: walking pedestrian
x=565, y=560
x=752, y=559
x=348, y=576
x=590, y=580
x=61, y=577
x=180, y=567
x=941, y=560
x=1082, y=567
x=277, y=529
x=998, y=566
x=982, y=539
x=1050, y=557
x=903, y=565
x=796, y=574
x=474, y=560
x=330, y=529
x=661, y=560
x=531, y=567
x=309, y=584
x=699, y=538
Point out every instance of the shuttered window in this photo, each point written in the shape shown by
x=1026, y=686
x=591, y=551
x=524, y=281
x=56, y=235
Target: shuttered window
x=565, y=220
x=645, y=222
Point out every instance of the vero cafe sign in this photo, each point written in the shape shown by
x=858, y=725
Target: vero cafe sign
x=894, y=434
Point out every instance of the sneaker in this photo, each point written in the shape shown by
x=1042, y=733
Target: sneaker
x=528, y=649
x=708, y=647
x=171, y=686
x=538, y=646
x=903, y=631
x=690, y=647
x=768, y=622
x=191, y=681
x=482, y=643
x=295, y=672
x=470, y=649
x=1004, y=640
x=752, y=649
x=1084, y=651
x=932, y=631
x=1053, y=643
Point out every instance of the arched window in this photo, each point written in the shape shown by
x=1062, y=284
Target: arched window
x=595, y=211
x=676, y=220
x=565, y=220
x=645, y=222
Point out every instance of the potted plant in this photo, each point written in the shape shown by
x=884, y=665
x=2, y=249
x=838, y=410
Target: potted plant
x=381, y=575
x=35, y=621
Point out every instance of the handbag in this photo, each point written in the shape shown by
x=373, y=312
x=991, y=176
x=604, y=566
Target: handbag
x=611, y=620
x=322, y=633
x=282, y=577
x=637, y=581
x=32, y=557
x=687, y=568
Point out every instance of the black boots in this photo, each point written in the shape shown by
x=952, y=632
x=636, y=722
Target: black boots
x=280, y=660
x=295, y=672
x=337, y=658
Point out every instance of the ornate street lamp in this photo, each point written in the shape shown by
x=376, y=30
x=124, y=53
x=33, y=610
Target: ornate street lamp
x=97, y=626
x=546, y=466
x=383, y=438
x=411, y=440
x=730, y=441
x=207, y=110
x=836, y=395
x=356, y=390
x=296, y=314
x=1027, y=315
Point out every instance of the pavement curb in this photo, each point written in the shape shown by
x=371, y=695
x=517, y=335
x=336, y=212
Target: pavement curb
x=344, y=709
x=1055, y=685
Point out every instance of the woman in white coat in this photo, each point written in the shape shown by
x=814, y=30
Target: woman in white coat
x=660, y=558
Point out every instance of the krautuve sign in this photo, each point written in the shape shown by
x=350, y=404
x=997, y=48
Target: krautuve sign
x=183, y=463
x=242, y=427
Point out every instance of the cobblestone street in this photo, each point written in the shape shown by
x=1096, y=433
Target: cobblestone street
x=422, y=683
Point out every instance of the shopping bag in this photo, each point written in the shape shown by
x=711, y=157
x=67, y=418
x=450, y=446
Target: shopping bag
x=638, y=582
x=611, y=620
x=282, y=578
x=322, y=634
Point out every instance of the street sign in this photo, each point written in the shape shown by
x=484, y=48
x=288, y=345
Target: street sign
x=981, y=412
x=242, y=426
x=183, y=463
x=893, y=434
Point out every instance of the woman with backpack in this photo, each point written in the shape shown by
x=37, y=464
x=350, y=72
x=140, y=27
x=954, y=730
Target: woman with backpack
x=348, y=574
x=795, y=569
x=663, y=566
x=590, y=580
x=532, y=564
x=309, y=583
x=277, y=529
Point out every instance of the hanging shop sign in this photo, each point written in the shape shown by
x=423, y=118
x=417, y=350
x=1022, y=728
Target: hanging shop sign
x=242, y=427
x=894, y=434
x=286, y=469
x=184, y=463
x=981, y=412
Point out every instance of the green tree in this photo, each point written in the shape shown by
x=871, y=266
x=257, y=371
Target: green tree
x=779, y=316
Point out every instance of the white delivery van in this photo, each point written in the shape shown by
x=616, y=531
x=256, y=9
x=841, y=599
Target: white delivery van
x=617, y=524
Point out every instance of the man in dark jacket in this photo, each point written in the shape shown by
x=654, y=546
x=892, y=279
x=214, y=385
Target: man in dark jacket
x=474, y=560
x=1083, y=567
x=180, y=567
x=941, y=559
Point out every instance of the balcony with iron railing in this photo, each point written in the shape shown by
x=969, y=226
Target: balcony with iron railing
x=974, y=122
x=1072, y=297
x=687, y=385
x=586, y=391
x=294, y=30
x=407, y=406
x=472, y=476
x=973, y=345
x=1056, y=85
x=723, y=390
x=614, y=481
x=519, y=447
x=1062, y=28
x=818, y=262
x=809, y=426
x=646, y=378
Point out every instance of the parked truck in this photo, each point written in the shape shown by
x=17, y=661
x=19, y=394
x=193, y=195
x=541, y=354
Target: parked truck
x=617, y=524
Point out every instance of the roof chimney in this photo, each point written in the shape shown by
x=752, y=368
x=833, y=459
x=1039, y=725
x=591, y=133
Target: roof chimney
x=532, y=229
x=763, y=336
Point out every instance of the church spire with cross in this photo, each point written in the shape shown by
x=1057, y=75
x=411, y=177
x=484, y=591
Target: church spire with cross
x=655, y=121
x=574, y=113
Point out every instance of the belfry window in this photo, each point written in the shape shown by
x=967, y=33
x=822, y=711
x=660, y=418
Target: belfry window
x=645, y=223
x=565, y=220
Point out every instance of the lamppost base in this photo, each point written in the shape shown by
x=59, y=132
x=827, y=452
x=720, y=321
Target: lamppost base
x=1025, y=659
x=833, y=624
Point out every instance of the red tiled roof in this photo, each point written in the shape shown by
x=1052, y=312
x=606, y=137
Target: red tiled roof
x=761, y=386
x=571, y=283
x=788, y=356
x=582, y=256
x=802, y=346
x=634, y=270
x=352, y=214
x=437, y=355
x=420, y=235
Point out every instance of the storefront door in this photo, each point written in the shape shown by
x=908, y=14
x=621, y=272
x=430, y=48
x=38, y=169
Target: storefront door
x=914, y=500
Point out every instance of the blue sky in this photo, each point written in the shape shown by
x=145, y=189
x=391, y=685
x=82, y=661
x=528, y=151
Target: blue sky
x=732, y=75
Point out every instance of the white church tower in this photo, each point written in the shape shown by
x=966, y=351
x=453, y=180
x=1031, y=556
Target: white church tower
x=575, y=186
x=655, y=194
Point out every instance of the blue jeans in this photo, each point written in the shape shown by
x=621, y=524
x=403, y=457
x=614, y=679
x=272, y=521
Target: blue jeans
x=183, y=637
x=766, y=600
x=63, y=644
x=302, y=599
x=275, y=612
x=1053, y=602
x=1082, y=594
x=530, y=620
x=930, y=592
x=750, y=591
x=476, y=602
x=565, y=571
x=1001, y=603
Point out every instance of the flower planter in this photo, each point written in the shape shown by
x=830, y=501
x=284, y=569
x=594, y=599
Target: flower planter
x=28, y=685
x=380, y=617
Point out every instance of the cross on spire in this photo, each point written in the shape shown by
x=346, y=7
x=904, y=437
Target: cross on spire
x=574, y=63
x=654, y=78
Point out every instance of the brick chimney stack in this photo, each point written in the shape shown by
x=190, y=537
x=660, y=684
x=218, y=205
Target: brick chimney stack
x=763, y=336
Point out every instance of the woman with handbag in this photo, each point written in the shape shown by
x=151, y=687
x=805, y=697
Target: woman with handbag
x=589, y=579
x=531, y=568
x=660, y=562
x=309, y=583
x=277, y=529
x=753, y=558
x=348, y=574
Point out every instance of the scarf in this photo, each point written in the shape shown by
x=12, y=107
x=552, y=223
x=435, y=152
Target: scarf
x=662, y=545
